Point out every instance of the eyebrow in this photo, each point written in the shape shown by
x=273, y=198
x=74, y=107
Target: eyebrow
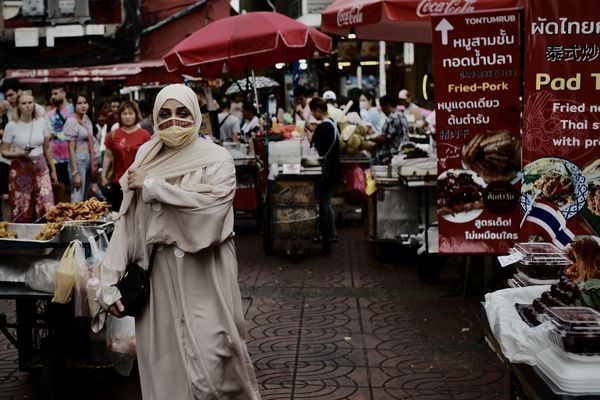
x=177, y=109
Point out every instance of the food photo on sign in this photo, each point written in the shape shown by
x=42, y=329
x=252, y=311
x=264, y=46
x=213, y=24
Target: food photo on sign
x=476, y=64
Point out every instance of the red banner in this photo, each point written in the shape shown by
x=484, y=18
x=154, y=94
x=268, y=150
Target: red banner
x=561, y=133
x=477, y=81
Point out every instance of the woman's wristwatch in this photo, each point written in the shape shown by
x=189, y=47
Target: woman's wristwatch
x=75, y=174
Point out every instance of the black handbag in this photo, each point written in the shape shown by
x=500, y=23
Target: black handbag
x=134, y=287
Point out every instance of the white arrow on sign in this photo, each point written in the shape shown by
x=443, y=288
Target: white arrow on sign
x=444, y=26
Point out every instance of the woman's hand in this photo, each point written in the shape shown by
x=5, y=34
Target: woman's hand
x=104, y=182
x=135, y=178
x=20, y=153
x=77, y=181
x=54, y=177
x=117, y=309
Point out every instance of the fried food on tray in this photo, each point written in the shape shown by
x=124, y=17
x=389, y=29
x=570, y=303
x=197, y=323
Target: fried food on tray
x=459, y=193
x=89, y=210
x=48, y=231
x=6, y=234
x=492, y=155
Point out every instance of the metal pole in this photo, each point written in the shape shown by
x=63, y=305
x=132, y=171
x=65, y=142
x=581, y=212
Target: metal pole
x=382, y=78
x=255, y=92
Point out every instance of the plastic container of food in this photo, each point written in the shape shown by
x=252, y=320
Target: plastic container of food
x=541, y=263
x=576, y=331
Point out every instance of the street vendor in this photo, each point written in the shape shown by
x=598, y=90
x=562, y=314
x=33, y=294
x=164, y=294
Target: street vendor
x=394, y=131
x=178, y=194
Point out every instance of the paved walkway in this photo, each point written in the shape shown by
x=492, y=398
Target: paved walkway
x=336, y=327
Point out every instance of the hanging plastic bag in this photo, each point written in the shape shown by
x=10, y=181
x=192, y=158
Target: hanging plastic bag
x=371, y=185
x=355, y=184
x=87, y=282
x=120, y=341
x=65, y=272
x=41, y=275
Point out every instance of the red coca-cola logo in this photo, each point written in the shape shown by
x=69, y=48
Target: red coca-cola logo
x=350, y=16
x=430, y=7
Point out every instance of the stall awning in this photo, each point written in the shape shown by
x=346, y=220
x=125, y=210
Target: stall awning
x=397, y=20
x=83, y=74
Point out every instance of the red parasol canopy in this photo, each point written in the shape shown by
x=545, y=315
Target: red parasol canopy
x=244, y=42
x=397, y=20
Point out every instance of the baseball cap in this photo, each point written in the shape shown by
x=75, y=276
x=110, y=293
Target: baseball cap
x=403, y=94
x=329, y=95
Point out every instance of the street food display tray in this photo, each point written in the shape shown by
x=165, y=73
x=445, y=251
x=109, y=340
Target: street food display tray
x=25, y=244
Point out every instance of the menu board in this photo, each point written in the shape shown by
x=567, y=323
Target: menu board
x=561, y=121
x=477, y=81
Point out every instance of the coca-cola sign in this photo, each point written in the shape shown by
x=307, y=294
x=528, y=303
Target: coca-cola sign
x=350, y=16
x=427, y=8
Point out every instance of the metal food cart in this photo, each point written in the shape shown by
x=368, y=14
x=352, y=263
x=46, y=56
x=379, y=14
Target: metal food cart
x=248, y=198
x=292, y=208
x=45, y=333
x=403, y=211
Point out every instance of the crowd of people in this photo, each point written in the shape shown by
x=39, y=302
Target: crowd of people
x=56, y=155
x=65, y=153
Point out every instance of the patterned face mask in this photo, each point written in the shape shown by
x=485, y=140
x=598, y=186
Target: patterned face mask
x=174, y=131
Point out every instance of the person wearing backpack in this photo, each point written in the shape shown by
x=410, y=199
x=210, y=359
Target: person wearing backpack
x=325, y=140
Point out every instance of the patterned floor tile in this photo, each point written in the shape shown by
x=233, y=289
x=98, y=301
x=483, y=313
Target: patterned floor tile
x=337, y=327
x=467, y=395
x=409, y=379
x=407, y=394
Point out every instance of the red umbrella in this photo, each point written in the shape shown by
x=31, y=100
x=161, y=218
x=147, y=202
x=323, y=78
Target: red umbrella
x=397, y=20
x=244, y=42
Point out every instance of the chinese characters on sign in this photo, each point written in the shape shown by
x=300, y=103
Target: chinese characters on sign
x=561, y=126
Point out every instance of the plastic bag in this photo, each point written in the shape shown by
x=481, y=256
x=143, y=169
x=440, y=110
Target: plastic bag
x=65, y=272
x=120, y=341
x=355, y=184
x=41, y=274
x=371, y=185
x=87, y=282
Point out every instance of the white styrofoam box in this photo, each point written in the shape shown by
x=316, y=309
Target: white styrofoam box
x=569, y=375
x=285, y=152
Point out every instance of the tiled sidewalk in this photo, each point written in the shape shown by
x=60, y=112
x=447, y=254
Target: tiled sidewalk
x=336, y=327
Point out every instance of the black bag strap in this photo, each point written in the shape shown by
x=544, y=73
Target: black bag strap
x=60, y=116
x=152, y=257
x=223, y=121
x=335, y=135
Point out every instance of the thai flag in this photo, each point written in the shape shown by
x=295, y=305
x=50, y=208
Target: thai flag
x=553, y=222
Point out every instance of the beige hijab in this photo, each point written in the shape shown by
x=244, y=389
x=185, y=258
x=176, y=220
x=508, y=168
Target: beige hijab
x=160, y=161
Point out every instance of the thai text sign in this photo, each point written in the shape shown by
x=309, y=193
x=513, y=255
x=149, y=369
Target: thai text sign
x=476, y=67
x=561, y=124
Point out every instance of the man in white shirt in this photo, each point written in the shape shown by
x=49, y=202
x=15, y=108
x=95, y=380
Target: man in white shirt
x=412, y=112
x=229, y=124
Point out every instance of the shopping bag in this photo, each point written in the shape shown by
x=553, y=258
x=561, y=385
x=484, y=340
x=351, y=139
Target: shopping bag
x=87, y=281
x=120, y=341
x=355, y=184
x=65, y=273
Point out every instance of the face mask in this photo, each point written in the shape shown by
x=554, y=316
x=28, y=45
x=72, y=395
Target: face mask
x=363, y=105
x=175, y=131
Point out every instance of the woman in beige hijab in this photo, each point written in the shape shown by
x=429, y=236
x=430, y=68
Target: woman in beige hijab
x=191, y=338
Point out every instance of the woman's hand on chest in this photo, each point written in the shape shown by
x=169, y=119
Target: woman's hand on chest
x=135, y=178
